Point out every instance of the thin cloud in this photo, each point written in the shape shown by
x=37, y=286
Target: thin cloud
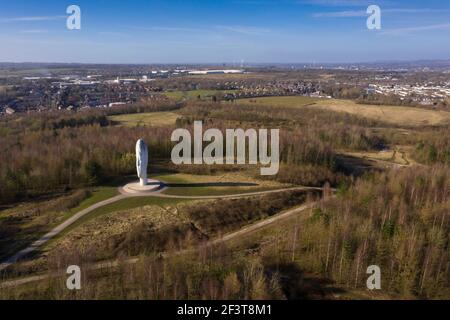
x=339, y=3
x=363, y=13
x=256, y=2
x=168, y=29
x=324, y=3
x=35, y=18
x=34, y=31
x=402, y=31
x=340, y=14
x=112, y=33
x=245, y=30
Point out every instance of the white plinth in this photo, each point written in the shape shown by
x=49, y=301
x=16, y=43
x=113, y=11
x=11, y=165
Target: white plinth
x=137, y=187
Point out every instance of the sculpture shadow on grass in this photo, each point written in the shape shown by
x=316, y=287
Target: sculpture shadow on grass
x=209, y=184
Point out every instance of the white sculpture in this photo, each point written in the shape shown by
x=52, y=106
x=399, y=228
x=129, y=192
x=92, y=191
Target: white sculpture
x=142, y=161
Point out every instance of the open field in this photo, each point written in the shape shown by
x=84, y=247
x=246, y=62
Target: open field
x=145, y=119
x=405, y=116
x=193, y=94
x=233, y=76
x=35, y=72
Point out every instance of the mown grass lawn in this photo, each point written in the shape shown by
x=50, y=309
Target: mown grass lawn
x=205, y=185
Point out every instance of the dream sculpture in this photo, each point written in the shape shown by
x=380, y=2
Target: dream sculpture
x=142, y=161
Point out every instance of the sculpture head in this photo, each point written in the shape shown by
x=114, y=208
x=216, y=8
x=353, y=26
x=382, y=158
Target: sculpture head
x=141, y=160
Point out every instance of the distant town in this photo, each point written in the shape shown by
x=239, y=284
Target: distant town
x=37, y=87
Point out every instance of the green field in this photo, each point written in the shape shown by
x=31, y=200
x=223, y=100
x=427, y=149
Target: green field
x=97, y=194
x=285, y=101
x=399, y=115
x=145, y=119
x=204, y=185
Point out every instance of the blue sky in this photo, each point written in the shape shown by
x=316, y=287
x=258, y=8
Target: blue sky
x=219, y=31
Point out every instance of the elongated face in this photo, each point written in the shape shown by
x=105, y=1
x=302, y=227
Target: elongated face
x=141, y=158
x=141, y=147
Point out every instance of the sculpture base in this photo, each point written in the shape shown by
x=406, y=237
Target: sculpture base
x=136, y=187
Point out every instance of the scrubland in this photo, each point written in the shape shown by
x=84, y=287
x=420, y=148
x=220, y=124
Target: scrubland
x=389, y=166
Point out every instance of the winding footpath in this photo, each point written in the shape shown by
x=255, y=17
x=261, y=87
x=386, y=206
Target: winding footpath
x=115, y=263
x=123, y=195
x=57, y=230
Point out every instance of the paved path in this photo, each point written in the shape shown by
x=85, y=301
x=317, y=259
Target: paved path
x=230, y=236
x=123, y=195
x=35, y=245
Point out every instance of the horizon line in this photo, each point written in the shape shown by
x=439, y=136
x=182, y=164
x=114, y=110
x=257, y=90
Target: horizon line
x=228, y=63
